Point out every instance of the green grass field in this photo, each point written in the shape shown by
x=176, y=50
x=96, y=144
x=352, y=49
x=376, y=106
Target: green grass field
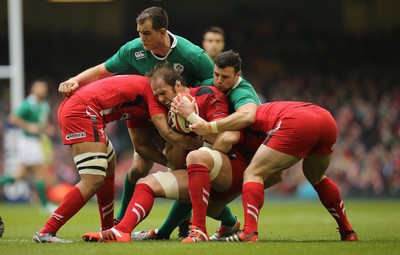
x=286, y=227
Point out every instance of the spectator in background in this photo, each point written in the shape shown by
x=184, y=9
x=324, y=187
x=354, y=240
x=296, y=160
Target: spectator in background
x=32, y=118
x=213, y=41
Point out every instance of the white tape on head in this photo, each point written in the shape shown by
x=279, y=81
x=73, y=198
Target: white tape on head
x=169, y=183
x=93, y=163
x=217, y=162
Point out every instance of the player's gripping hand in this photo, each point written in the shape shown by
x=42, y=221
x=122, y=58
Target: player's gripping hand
x=201, y=128
x=67, y=88
x=182, y=107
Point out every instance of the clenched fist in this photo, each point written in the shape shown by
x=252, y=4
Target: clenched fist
x=67, y=88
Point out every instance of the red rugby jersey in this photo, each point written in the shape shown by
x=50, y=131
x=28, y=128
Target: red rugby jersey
x=121, y=97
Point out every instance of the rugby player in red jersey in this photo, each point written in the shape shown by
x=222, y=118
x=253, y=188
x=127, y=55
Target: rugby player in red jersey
x=296, y=131
x=82, y=119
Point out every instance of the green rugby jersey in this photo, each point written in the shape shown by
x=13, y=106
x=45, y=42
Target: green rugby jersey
x=188, y=59
x=242, y=93
x=34, y=111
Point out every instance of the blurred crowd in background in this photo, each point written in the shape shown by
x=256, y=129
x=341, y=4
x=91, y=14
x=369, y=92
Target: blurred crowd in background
x=355, y=77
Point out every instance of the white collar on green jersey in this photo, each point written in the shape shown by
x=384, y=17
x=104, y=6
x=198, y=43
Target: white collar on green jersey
x=237, y=84
x=174, y=43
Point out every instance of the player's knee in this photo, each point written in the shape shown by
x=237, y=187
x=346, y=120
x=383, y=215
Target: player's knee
x=211, y=158
x=167, y=184
x=92, y=183
x=139, y=169
x=144, y=180
x=135, y=173
x=199, y=157
x=150, y=181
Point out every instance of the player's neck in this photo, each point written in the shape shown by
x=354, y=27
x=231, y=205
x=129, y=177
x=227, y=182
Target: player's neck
x=165, y=46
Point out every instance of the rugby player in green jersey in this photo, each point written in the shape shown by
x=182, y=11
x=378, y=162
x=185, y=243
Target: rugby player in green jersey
x=32, y=118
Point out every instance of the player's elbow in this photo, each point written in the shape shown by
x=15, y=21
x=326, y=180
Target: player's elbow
x=229, y=137
x=226, y=140
x=249, y=118
x=14, y=120
x=167, y=134
x=246, y=115
x=142, y=150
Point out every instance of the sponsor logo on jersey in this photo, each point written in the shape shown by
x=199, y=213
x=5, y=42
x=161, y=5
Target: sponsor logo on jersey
x=179, y=68
x=125, y=116
x=139, y=55
x=75, y=135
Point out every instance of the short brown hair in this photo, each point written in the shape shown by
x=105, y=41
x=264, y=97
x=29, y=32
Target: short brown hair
x=167, y=73
x=229, y=58
x=215, y=29
x=156, y=14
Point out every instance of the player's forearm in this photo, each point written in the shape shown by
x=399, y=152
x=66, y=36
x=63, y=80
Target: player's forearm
x=236, y=121
x=174, y=138
x=92, y=74
x=17, y=121
x=152, y=154
x=31, y=128
x=185, y=142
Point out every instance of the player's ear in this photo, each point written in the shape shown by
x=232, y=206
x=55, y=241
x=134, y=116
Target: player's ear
x=237, y=75
x=163, y=31
x=178, y=84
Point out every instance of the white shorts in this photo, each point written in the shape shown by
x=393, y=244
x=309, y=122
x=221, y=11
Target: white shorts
x=30, y=150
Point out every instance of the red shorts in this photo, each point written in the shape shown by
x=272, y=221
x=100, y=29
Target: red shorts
x=304, y=131
x=80, y=122
x=238, y=165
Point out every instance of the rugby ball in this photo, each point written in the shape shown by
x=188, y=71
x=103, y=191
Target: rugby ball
x=181, y=124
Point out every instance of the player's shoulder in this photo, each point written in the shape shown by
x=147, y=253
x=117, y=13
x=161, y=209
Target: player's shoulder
x=205, y=90
x=133, y=45
x=139, y=81
x=245, y=84
x=244, y=87
x=185, y=46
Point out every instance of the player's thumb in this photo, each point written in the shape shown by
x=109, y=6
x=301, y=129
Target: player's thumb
x=75, y=86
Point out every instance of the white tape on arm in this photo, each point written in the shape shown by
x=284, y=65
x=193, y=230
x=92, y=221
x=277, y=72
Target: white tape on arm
x=194, y=118
x=214, y=127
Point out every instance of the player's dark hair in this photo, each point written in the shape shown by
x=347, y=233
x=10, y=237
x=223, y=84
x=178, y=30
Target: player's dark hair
x=229, y=58
x=167, y=73
x=156, y=14
x=215, y=29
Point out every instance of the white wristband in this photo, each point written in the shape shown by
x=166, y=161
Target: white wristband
x=194, y=118
x=214, y=127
